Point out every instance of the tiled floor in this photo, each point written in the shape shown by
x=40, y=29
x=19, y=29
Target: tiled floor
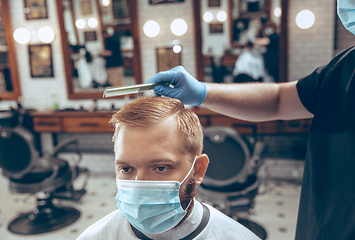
x=275, y=210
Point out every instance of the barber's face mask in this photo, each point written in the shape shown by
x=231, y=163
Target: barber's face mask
x=151, y=206
x=346, y=13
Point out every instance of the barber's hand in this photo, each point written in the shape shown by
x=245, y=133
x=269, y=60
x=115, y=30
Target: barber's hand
x=186, y=88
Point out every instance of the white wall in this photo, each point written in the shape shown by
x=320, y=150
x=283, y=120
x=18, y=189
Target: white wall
x=38, y=92
x=217, y=42
x=308, y=49
x=164, y=14
x=311, y=48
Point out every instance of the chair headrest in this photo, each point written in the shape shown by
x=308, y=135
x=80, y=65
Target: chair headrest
x=229, y=155
x=17, y=152
x=8, y=118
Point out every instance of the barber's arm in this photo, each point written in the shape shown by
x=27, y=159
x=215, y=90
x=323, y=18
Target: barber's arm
x=256, y=101
x=247, y=101
x=105, y=53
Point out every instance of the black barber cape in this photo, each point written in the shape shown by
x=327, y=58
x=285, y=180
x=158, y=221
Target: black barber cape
x=327, y=204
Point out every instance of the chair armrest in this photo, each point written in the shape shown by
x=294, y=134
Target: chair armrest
x=62, y=144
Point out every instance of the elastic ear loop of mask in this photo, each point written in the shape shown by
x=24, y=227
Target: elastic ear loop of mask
x=193, y=164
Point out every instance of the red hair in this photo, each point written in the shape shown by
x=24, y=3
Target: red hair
x=149, y=111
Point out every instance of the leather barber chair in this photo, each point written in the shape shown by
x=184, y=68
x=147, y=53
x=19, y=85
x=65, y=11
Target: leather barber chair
x=231, y=181
x=47, y=177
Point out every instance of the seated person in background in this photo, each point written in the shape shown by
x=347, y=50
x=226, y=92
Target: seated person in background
x=158, y=145
x=249, y=67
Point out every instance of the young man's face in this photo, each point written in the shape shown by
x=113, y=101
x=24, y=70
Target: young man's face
x=151, y=153
x=156, y=154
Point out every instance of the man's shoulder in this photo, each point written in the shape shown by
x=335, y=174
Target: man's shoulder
x=345, y=56
x=217, y=216
x=227, y=228
x=105, y=227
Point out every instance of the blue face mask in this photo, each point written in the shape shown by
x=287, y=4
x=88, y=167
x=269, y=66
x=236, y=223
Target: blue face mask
x=151, y=206
x=346, y=13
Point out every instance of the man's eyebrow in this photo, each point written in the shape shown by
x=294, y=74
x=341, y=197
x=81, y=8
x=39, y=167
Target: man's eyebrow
x=117, y=161
x=153, y=161
x=162, y=160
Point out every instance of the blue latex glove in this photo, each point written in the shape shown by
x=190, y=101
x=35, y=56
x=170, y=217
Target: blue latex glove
x=186, y=88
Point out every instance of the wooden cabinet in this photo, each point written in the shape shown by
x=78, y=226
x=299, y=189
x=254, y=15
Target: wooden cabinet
x=75, y=121
x=92, y=124
x=47, y=124
x=81, y=121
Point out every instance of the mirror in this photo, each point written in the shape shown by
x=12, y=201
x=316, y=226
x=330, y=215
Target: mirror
x=9, y=83
x=100, y=45
x=252, y=29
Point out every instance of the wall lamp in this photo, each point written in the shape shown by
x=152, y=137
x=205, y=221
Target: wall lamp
x=178, y=27
x=151, y=28
x=277, y=12
x=221, y=16
x=46, y=34
x=80, y=23
x=305, y=19
x=22, y=35
x=105, y=2
x=207, y=16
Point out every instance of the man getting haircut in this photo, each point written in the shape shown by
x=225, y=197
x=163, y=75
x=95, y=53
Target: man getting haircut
x=159, y=163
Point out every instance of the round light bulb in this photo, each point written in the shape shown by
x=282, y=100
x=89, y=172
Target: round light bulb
x=80, y=23
x=277, y=12
x=22, y=35
x=105, y=2
x=177, y=49
x=92, y=22
x=221, y=16
x=178, y=27
x=207, y=16
x=151, y=28
x=46, y=34
x=305, y=19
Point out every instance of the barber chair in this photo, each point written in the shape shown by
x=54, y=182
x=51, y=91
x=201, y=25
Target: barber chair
x=231, y=181
x=47, y=177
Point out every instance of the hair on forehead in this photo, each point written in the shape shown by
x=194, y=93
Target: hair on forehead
x=146, y=111
x=150, y=111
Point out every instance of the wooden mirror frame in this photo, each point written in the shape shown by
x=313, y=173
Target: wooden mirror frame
x=10, y=43
x=68, y=71
x=283, y=39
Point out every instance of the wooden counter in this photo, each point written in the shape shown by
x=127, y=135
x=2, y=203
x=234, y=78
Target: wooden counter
x=83, y=121
x=72, y=121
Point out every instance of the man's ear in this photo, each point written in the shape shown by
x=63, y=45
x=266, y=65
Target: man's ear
x=200, y=168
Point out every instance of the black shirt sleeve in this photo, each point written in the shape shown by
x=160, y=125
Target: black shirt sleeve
x=308, y=88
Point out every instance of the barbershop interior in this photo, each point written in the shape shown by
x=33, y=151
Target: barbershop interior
x=57, y=57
